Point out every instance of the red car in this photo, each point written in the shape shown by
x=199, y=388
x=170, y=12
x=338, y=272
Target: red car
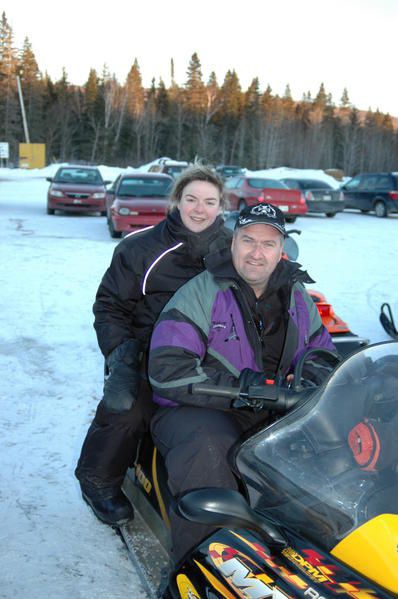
x=248, y=190
x=77, y=189
x=137, y=200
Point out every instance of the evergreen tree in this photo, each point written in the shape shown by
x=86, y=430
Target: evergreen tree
x=196, y=91
x=10, y=116
x=345, y=100
x=33, y=90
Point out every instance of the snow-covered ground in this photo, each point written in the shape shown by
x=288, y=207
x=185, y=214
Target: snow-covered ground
x=51, y=374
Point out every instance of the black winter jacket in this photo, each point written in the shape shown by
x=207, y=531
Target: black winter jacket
x=146, y=269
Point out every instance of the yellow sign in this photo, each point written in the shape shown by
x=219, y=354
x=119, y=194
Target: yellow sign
x=32, y=155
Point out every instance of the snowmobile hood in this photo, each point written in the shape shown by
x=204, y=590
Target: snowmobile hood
x=378, y=540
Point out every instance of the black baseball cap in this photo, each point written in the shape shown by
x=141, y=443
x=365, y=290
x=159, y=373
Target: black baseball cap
x=262, y=214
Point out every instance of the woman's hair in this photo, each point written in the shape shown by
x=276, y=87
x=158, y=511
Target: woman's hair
x=196, y=172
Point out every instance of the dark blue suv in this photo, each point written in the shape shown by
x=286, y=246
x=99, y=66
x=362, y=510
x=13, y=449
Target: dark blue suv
x=372, y=191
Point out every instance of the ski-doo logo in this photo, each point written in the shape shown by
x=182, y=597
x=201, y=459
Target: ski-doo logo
x=264, y=209
x=240, y=577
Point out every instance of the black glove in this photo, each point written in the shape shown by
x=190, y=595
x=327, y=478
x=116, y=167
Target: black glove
x=315, y=372
x=122, y=385
x=249, y=378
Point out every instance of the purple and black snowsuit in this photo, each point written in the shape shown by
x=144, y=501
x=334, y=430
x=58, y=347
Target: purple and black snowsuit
x=207, y=333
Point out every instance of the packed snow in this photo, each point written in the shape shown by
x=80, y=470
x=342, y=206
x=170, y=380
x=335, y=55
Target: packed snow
x=51, y=374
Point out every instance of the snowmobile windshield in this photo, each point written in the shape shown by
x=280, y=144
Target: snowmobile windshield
x=330, y=467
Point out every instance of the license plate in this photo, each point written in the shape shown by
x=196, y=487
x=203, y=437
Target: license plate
x=77, y=201
x=327, y=197
x=284, y=208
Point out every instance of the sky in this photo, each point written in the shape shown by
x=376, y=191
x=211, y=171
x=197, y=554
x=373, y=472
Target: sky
x=51, y=374
x=344, y=44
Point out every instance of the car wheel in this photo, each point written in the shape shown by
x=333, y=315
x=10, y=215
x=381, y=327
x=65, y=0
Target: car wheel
x=290, y=219
x=242, y=204
x=50, y=210
x=330, y=214
x=103, y=213
x=114, y=234
x=380, y=209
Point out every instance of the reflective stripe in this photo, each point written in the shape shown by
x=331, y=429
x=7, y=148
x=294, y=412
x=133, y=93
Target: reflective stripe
x=155, y=262
x=138, y=231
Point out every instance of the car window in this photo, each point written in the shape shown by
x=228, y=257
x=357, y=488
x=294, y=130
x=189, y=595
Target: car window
x=145, y=187
x=353, y=184
x=112, y=188
x=231, y=183
x=384, y=182
x=270, y=183
x=231, y=170
x=369, y=182
x=83, y=176
x=174, y=170
x=292, y=184
x=314, y=184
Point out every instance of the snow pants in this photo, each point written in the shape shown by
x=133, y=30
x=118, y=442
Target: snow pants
x=110, y=446
x=196, y=444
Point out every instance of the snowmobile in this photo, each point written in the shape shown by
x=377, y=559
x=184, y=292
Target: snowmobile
x=317, y=511
x=387, y=321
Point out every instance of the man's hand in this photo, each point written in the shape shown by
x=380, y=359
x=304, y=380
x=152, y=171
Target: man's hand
x=122, y=385
x=249, y=378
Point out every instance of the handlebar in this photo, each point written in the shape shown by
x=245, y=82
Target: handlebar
x=269, y=397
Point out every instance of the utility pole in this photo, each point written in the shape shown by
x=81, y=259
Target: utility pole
x=25, y=124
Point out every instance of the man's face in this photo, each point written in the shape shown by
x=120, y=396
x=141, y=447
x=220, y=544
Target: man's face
x=256, y=250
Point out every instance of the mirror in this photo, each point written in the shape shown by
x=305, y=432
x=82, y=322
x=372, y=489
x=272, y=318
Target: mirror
x=226, y=507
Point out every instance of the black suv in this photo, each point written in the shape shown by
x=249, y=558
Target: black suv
x=372, y=191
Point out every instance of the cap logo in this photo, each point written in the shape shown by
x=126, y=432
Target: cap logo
x=244, y=221
x=264, y=209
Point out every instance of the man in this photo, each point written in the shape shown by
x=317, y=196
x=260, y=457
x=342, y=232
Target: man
x=246, y=319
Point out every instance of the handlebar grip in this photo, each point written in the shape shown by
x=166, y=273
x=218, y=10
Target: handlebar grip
x=216, y=390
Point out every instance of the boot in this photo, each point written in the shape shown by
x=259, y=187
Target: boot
x=111, y=508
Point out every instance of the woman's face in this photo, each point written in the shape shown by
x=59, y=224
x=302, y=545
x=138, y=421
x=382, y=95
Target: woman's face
x=199, y=205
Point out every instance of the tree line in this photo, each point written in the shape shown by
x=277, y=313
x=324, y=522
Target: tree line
x=106, y=122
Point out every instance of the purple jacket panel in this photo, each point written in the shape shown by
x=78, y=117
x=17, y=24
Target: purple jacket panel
x=177, y=334
x=227, y=335
x=301, y=317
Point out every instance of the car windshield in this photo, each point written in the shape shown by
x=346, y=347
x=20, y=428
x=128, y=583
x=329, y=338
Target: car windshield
x=269, y=183
x=175, y=170
x=331, y=466
x=79, y=176
x=231, y=170
x=312, y=184
x=144, y=187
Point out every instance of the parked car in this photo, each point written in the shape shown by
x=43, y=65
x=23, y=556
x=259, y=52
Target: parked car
x=135, y=201
x=169, y=167
x=77, y=189
x=320, y=196
x=248, y=190
x=225, y=171
x=376, y=192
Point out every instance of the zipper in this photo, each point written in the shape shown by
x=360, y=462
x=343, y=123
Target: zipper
x=249, y=324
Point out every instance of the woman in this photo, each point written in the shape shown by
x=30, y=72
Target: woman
x=146, y=269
